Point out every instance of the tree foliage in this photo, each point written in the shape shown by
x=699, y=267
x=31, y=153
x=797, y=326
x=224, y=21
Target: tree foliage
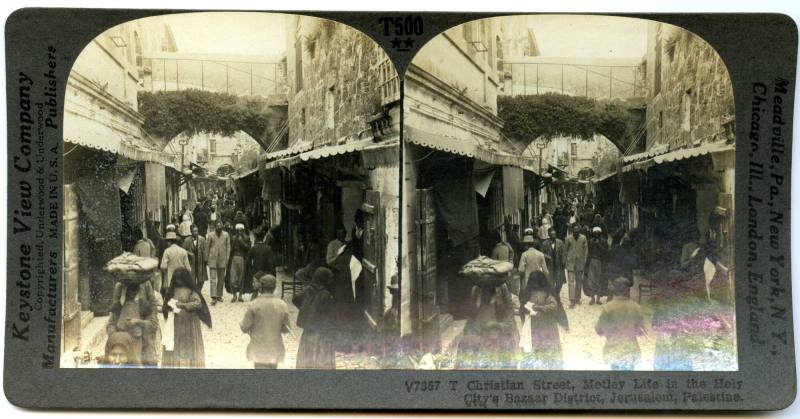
x=192, y=111
x=552, y=115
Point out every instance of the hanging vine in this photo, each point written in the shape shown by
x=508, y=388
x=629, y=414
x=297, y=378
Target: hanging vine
x=192, y=111
x=552, y=115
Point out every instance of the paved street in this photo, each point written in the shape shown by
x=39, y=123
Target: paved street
x=226, y=345
x=583, y=348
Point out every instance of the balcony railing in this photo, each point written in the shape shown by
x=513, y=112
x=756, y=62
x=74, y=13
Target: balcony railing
x=233, y=77
x=596, y=81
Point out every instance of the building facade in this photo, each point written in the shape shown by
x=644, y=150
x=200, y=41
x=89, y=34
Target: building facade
x=338, y=156
x=116, y=176
x=683, y=181
x=463, y=182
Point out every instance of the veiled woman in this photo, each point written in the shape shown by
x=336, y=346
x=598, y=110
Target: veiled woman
x=189, y=309
x=546, y=313
x=317, y=318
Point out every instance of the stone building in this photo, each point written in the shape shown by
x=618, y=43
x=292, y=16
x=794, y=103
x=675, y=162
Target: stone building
x=682, y=183
x=575, y=156
x=690, y=96
x=338, y=154
x=463, y=182
x=115, y=175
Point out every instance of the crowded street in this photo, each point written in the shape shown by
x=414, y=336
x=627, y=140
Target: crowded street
x=583, y=348
x=225, y=343
x=225, y=188
x=577, y=212
x=570, y=207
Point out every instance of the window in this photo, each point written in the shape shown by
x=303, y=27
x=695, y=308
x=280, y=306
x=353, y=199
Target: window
x=212, y=146
x=574, y=149
x=137, y=44
x=657, y=69
x=311, y=46
x=389, y=82
x=298, y=65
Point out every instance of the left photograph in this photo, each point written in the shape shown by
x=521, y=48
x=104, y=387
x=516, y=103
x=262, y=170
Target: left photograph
x=231, y=196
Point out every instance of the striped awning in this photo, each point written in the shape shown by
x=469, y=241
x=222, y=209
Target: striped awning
x=104, y=138
x=677, y=155
x=296, y=148
x=467, y=148
x=367, y=145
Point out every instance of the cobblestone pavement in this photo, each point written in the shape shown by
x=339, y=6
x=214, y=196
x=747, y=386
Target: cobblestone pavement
x=226, y=345
x=582, y=348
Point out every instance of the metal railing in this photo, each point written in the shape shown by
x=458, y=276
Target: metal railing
x=596, y=81
x=233, y=77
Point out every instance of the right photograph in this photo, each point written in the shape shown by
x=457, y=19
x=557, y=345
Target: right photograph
x=568, y=186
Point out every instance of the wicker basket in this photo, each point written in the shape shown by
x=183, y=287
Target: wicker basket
x=488, y=280
x=133, y=277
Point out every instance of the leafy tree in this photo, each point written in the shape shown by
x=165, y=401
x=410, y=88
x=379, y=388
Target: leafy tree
x=168, y=114
x=552, y=115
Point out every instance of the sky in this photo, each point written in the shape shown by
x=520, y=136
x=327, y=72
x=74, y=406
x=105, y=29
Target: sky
x=229, y=33
x=589, y=36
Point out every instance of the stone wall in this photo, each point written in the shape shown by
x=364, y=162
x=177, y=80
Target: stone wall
x=695, y=96
x=340, y=86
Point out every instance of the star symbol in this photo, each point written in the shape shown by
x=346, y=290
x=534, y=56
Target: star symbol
x=409, y=42
x=395, y=43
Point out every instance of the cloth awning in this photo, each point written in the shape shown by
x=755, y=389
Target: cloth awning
x=104, y=138
x=245, y=173
x=654, y=151
x=467, y=148
x=604, y=177
x=296, y=148
x=641, y=163
x=366, y=145
x=513, y=191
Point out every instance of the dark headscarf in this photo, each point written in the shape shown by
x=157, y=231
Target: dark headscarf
x=316, y=303
x=183, y=278
x=322, y=277
x=537, y=281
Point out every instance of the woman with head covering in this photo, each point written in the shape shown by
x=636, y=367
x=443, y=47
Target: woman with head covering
x=596, y=284
x=119, y=351
x=316, y=317
x=538, y=303
x=189, y=309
